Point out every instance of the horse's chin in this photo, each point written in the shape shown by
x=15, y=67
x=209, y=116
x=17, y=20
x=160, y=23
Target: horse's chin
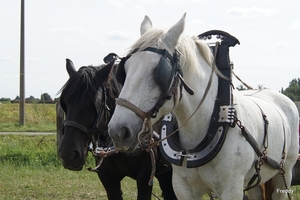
x=128, y=149
x=73, y=167
x=132, y=149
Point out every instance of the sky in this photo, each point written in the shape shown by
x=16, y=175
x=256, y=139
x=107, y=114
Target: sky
x=85, y=31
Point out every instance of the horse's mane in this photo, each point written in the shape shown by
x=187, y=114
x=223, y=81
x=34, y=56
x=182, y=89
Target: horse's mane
x=187, y=48
x=82, y=83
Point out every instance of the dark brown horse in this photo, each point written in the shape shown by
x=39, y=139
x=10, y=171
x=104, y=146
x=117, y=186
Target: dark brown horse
x=88, y=100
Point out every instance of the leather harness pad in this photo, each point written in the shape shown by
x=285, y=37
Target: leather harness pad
x=206, y=150
x=164, y=74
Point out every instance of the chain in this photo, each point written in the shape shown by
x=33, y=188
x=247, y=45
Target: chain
x=238, y=123
x=153, y=164
x=282, y=173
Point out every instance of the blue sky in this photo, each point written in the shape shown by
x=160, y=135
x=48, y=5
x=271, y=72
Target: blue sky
x=86, y=31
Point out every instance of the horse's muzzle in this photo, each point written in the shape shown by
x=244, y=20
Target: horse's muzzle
x=123, y=138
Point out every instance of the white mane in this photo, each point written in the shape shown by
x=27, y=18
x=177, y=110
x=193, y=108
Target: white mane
x=188, y=48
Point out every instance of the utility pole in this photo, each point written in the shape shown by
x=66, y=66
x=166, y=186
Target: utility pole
x=22, y=66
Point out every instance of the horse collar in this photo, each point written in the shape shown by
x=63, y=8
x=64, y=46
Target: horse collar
x=222, y=117
x=208, y=148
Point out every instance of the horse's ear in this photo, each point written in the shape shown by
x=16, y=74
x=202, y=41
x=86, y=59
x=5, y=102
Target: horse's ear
x=170, y=39
x=70, y=67
x=120, y=74
x=146, y=25
x=104, y=72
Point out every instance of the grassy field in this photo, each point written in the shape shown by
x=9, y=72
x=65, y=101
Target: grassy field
x=38, y=117
x=30, y=168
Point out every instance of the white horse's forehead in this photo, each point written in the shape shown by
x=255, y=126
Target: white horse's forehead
x=140, y=66
x=144, y=61
x=140, y=86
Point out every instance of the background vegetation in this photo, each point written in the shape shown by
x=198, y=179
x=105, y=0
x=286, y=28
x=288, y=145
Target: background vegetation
x=30, y=169
x=38, y=118
x=293, y=91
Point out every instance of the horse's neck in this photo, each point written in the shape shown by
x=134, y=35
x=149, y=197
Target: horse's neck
x=195, y=129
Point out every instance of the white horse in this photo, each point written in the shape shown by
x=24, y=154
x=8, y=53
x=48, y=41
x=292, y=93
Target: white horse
x=229, y=172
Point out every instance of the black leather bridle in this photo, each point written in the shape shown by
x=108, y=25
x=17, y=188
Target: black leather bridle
x=103, y=116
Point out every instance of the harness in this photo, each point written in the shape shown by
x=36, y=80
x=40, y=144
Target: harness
x=223, y=117
x=167, y=76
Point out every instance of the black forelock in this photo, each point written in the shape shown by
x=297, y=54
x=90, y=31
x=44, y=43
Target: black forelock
x=83, y=82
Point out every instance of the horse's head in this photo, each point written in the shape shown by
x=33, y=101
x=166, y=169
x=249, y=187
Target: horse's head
x=150, y=78
x=85, y=101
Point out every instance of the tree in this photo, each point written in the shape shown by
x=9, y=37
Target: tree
x=293, y=90
x=241, y=87
x=46, y=98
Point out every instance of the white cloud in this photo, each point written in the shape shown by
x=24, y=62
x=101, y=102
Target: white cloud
x=116, y=4
x=118, y=35
x=279, y=46
x=195, y=22
x=6, y=59
x=253, y=12
x=71, y=29
x=181, y=2
x=137, y=10
x=33, y=60
x=295, y=25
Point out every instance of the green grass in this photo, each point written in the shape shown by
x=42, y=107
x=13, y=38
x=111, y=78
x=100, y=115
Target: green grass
x=30, y=170
x=38, y=118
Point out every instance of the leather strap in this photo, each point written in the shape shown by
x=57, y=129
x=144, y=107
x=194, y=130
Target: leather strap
x=132, y=107
x=78, y=126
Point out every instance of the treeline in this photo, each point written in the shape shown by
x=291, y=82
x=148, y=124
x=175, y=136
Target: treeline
x=45, y=98
x=292, y=91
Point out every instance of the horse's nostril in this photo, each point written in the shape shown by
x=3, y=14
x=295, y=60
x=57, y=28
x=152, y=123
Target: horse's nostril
x=75, y=155
x=126, y=133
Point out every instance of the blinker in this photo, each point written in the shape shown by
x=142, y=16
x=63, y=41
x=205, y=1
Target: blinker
x=164, y=74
